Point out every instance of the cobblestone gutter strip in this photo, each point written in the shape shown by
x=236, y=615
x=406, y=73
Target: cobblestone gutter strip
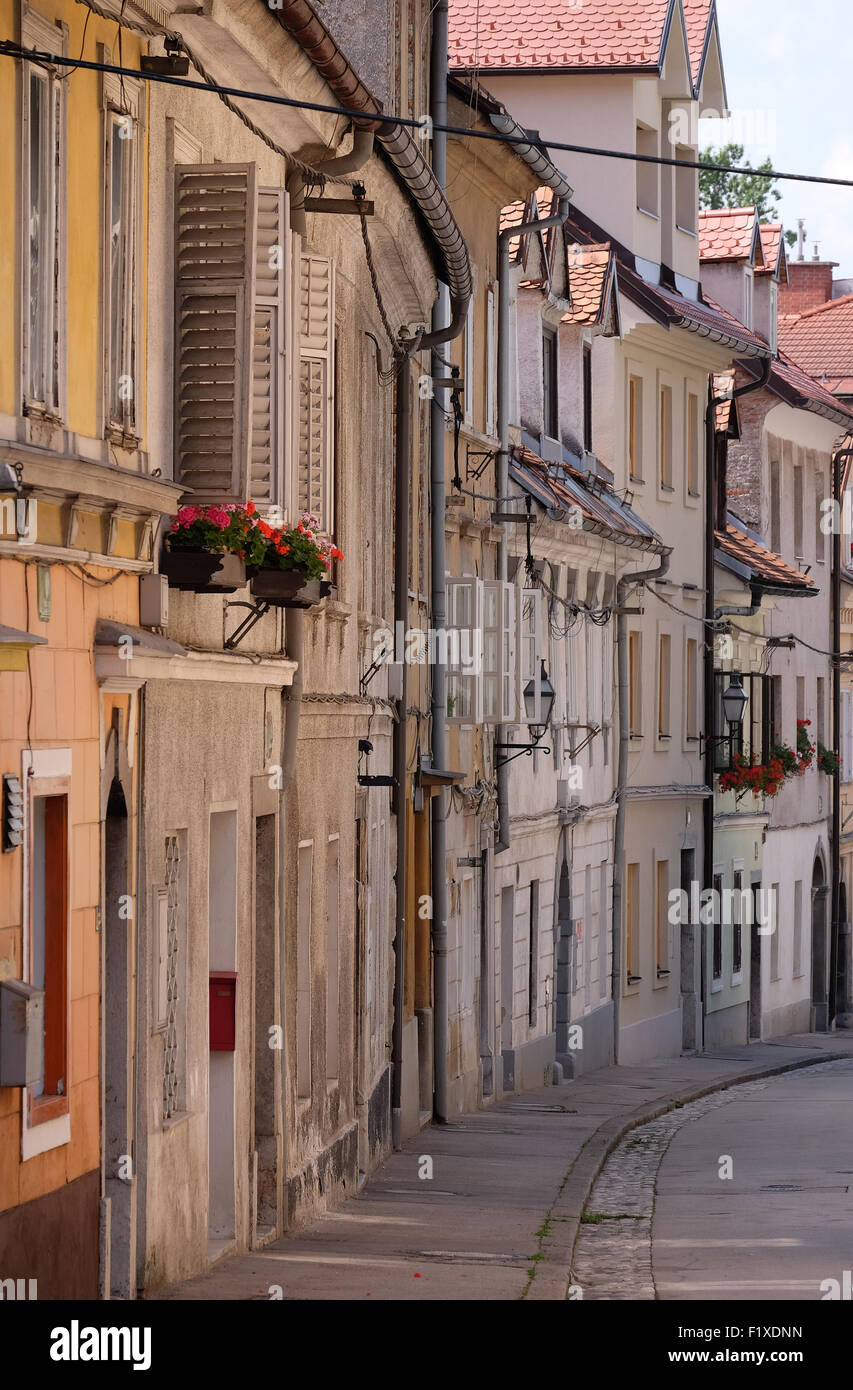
x=551, y=1271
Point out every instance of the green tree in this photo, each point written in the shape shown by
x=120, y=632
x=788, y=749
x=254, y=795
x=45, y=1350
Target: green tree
x=721, y=190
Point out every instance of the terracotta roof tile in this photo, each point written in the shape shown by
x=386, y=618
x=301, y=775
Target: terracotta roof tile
x=561, y=486
x=723, y=383
x=766, y=566
x=821, y=342
x=772, y=245
x=557, y=33
x=589, y=276
x=696, y=14
x=728, y=234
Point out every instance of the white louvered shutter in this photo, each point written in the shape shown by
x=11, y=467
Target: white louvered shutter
x=464, y=651
x=531, y=652
x=268, y=424
x=315, y=481
x=846, y=736
x=215, y=214
x=499, y=659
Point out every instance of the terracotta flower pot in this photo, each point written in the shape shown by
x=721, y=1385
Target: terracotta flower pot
x=203, y=572
x=287, y=588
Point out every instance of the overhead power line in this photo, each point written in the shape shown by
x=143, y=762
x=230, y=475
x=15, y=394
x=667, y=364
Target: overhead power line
x=9, y=49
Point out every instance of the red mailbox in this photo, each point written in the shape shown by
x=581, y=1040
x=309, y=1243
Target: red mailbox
x=223, y=1010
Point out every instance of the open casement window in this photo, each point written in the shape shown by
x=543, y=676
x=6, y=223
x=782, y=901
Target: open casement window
x=315, y=489
x=464, y=651
x=231, y=270
x=531, y=653
x=43, y=206
x=499, y=661
x=123, y=105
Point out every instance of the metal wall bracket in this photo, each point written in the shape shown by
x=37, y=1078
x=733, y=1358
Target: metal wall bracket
x=256, y=612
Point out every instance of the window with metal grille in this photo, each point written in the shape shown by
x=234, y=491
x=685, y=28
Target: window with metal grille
x=717, y=952
x=737, y=927
x=170, y=1004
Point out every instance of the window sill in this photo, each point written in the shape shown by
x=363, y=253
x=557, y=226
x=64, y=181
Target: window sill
x=34, y=410
x=45, y=1108
x=737, y=979
x=655, y=216
x=687, y=231
x=180, y=1117
x=636, y=738
x=666, y=487
x=632, y=478
x=716, y=986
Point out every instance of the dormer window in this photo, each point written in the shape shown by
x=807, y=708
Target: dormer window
x=774, y=317
x=648, y=190
x=686, y=193
x=550, y=417
x=748, y=287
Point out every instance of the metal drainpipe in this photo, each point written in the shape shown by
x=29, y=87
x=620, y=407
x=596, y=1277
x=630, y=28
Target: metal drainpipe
x=708, y=664
x=622, y=588
x=438, y=566
x=502, y=468
x=403, y=459
x=835, y=845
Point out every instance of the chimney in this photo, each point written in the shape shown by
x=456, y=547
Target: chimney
x=809, y=282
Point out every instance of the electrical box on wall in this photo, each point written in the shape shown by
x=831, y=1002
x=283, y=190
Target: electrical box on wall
x=223, y=1010
x=21, y=1034
x=153, y=600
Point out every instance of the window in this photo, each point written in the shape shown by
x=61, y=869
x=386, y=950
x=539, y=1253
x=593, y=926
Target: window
x=821, y=710
x=647, y=174
x=121, y=154
x=315, y=465
x=304, y=872
x=231, y=424
x=798, y=928
x=846, y=736
x=48, y=946
x=43, y=194
x=773, y=689
x=751, y=739
x=532, y=650
x=635, y=427
x=798, y=512
x=170, y=1008
x=717, y=944
x=479, y=648
x=819, y=537
x=665, y=431
x=491, y=361
x=748, y=286
x=775, y=508
x=550, y=419
x=662, y=932
x=737, y=926
x=693, y=444
x=686, y=190
x=691, y=727
x=635, y=677
x=801, y=701
x=774, y=317
x=632, y=920
x=468, y=364
x=333, y=1002
x=533, y=953
x=664, y=647
x=587, y=398
x=774, y=932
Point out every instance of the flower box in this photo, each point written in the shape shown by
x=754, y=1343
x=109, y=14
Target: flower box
x=288, y=588
x=203, y=571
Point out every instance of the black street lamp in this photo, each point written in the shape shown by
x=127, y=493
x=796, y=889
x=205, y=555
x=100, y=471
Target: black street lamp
x=547, y=696
x=734, y=701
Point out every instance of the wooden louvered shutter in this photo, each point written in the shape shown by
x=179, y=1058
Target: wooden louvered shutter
x=266, y=448
x=315, y=482
x=215, y=215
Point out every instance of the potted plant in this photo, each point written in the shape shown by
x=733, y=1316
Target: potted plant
x=207, y=548
x=827, y=760
x=294, y=570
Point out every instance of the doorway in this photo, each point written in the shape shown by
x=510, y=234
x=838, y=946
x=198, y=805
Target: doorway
x=820, y=954
x=755, y=963
x=507, y=946
x=222, y=920
x=118, y=1130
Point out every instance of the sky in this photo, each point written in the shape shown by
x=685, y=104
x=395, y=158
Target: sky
x=788, y=75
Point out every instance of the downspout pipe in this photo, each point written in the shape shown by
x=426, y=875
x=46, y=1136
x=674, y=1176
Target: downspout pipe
x=626, y=583
x=835, y=843
x=505, y=237
x=708, y=650
x=442, y=322
x=403, y=461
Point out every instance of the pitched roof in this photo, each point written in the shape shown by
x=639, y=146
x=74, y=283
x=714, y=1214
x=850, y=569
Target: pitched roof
x=559, y=486
x=599, y=34
x=821, y=342
x=591, y=273
x=730, y=234
x=726, y=410
x=765, y=567
x=697, y=15
x=773, y=246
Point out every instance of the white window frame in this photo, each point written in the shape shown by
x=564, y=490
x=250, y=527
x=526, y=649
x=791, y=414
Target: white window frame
x=479, y=653
x=40, y=33
x=748, y=295
x=121, y=101
x=468, y=365
x=491, y=360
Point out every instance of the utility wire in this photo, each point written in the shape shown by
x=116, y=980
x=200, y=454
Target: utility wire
x=9, y=49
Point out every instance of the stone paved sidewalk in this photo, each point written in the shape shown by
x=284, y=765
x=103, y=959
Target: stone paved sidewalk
x=499, y=1218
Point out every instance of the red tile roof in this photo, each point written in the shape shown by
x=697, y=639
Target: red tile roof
x=728, y=234
x=556, y=33
x=696, y=13
x=590, y=276
x=765, y=566
x=821, y=342
x=561, y=486
x=773, y=246
x=723, y=383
